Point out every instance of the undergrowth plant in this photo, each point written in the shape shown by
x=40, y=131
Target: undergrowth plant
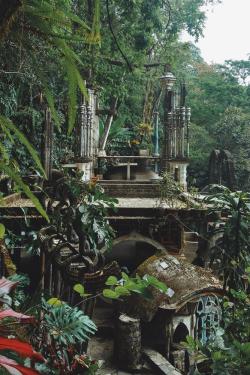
x=37, y=27
x=228, y=351
x=232, y=250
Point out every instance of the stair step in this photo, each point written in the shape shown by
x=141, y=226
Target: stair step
x=128, y=190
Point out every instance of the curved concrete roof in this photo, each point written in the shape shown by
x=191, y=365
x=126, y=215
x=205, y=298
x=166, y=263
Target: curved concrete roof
x=189, y=283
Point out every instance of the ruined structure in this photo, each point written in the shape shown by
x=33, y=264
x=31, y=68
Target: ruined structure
x=190, y=308
x=87, y=136
x=175, y=152
x=221, y=169
x=152, y=237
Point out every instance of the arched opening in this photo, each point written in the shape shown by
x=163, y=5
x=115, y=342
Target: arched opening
x=179, y=356
x=180, y=333
x=132, y=249
x=130, y=253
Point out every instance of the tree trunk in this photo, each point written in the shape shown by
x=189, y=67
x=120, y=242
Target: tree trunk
x=108, y=123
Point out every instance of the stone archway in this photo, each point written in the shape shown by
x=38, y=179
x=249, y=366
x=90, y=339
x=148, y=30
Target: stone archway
x=180, y=333
x=179, y=355
x=132, y=249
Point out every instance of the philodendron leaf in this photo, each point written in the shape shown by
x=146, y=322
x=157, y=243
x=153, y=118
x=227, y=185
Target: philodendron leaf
x=122, y=291
x=79, y=288
x=108, y=293
x=54, y=301
x=125, y=276
x=156, y=283
x=2, y=231
x=112, y=280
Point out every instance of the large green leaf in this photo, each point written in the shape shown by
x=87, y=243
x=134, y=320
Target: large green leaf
x=51, y=103
x=49, y=13
x=68, y=325
x=112, y=280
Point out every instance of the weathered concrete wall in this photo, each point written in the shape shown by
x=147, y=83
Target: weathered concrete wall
x=131, y=190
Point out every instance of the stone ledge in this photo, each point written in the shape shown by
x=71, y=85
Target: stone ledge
x=160, y=362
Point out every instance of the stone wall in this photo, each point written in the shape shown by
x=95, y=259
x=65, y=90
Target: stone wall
x=131, y=189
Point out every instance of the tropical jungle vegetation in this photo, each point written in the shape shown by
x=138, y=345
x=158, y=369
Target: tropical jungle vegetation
x=51, y=52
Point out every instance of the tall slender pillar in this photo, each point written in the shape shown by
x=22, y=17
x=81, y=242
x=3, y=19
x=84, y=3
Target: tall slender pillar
x=156, y=134
x=81, y=140
x=166, y=154
x=85, y=145
x=188, y=116
x=84, y=139
x=175, y=151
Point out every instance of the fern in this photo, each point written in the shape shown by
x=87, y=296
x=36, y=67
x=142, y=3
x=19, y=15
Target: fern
x=50, y=23
x=95, y=36
x=58, y=25
x=74, y=80
x=54, y=24
x=68, y=325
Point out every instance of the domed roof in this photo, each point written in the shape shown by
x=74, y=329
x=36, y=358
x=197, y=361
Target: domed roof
x=188, y=282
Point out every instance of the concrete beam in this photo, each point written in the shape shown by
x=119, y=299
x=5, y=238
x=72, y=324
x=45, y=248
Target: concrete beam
x=160, y=362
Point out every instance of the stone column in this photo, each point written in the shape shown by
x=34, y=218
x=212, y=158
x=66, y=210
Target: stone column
x=182, y=131
x=84, y=139
x=166, y=154
x=81, y=140
x=156, y=133
x=90, y=117
x=85, y=145
x=183, y=175
x=188, y=116
x=127, y=345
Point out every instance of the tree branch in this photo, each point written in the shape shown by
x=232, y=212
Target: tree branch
x=121, y=63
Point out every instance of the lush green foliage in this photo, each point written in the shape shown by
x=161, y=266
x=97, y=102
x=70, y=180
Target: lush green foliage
x=232, y=252
x=67, y=325
x=228, y=351
x=220, y=114
x=92, y=213
x=126, y=285
x=82, y=211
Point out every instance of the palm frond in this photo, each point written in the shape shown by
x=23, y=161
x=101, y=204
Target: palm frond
x=8, y=127
x=17, y=179
x=68, y=325
x=50, y=12
x=95, y=36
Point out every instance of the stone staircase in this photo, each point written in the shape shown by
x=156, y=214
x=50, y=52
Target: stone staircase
x=131, y=189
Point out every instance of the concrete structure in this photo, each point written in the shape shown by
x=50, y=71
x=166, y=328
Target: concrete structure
x=190, y=308
x=87, y=136
x=175, y=151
